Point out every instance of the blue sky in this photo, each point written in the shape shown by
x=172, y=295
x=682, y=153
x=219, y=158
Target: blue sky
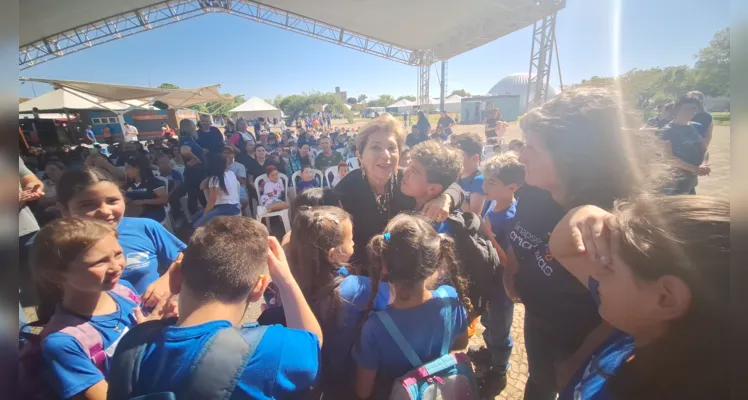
x=257, y=60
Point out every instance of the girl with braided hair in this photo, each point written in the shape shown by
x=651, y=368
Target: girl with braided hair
x=406, y=255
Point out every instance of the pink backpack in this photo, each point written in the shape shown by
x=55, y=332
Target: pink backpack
x=32, y=382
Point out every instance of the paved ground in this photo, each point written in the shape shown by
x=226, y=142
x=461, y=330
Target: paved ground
x=717, y=184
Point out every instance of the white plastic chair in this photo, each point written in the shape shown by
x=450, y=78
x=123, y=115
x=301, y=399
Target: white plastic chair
x=318, y=175
x=341, y=151
x=331, y=171
x=353, y=163
x=263, y=213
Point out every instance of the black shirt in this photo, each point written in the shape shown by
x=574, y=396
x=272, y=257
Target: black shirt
x=704, y=119
x=253, y=167
x=359, y=200
x=211, y=140
x=445, y=122
x=555, y=301
x=686, y=141
x=146, y=191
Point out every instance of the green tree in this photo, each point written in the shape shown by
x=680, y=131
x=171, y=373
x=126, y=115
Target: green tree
x=362, y=98
x=712, y=69
x=411, y=98
x=168, y=86
x=460, y=92
x=297, y=105
x=351, y=100
x=384, y=100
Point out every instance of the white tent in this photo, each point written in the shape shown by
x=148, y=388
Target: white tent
x=403, y=105
x=68, y=99
x=256, y=107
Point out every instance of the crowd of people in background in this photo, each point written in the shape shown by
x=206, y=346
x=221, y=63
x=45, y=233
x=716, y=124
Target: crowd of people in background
x=591, y=222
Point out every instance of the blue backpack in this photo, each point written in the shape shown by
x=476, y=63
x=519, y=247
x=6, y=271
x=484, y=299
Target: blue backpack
x=449, y=377
x=214, y=375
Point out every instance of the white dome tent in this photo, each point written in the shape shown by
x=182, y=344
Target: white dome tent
x=516, y=84
x=256, y=107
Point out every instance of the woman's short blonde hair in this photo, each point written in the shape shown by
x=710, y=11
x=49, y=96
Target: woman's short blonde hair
x=383, y=123
x=187, y=128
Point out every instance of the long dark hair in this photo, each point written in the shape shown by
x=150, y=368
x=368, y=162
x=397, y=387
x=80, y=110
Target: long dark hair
x=143, y=164
x=216, y=167
x=413, y=252
x=77, y=180
x=55, y=247
x=316, y=230
x=687, y=237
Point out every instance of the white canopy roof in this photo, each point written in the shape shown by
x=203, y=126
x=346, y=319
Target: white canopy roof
x=256, y=107
x=254, y=104
x=451, y=29
x=62, y=99
x=402, y=103
x=113, y=92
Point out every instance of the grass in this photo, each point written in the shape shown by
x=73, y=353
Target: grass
x=721, y=118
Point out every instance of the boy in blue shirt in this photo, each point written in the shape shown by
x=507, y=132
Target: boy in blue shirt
x=471, y=178
x=224, y=269
x=503, y=175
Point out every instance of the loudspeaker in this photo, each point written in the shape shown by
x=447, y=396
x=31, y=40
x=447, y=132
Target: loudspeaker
x=160, y=105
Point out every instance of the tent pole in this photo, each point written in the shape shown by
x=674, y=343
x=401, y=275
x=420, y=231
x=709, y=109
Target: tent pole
x=121, y=119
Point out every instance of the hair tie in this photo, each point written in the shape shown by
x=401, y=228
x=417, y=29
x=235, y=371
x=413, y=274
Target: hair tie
x=386, y=236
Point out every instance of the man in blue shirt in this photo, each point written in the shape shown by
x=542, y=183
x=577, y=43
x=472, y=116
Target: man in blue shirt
x=687, y=147
x=471, y=179
x=224, y=269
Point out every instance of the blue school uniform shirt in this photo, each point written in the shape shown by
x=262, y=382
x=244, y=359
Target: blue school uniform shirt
x=69, y=369
x=472, y=184
x=501, y=223
x=304, y=185
x=423, y=329
x=617, y=350
x=146, y=246
x=285, y=362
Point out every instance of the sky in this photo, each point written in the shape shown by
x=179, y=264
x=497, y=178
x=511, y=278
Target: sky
x=254, y=59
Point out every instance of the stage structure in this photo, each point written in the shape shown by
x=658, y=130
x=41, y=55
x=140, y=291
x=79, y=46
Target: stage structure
x=51, y=28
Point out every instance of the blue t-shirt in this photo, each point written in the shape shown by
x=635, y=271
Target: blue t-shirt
x=90, y=135
x=285, y=362
x=502, y=223
x=70, y=370
x=303, y=185
x=422, y=327
x=211, y=140
x=603, y=364
x=472, y=184
x=147, y=246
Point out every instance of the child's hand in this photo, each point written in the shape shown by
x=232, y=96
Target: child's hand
x=591, y=231
x=277, y=264
x=486, y=228
x=166, y=308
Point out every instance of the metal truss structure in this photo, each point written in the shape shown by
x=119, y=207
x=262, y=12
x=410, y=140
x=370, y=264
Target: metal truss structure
x=424, y=75
x=169, y=12
x=541, y=59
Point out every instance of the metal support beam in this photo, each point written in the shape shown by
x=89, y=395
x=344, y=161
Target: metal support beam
x=169, y=12
x=541, y=60
x=424, y=101
x=442, y=85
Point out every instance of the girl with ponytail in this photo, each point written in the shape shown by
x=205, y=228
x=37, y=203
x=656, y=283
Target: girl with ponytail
x=408, y=255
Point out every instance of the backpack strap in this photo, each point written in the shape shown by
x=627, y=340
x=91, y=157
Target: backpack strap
x=399, y=339
x=444, y=298
x=125, y=366
x=221, y=362
x=126, y=293
x=82, y=331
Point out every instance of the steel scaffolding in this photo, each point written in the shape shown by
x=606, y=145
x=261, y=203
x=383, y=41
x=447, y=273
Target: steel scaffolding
x=169, y=12
x=541, y=59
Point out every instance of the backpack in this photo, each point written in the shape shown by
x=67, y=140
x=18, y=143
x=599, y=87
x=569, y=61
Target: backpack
x=478, y=258
x=449, y=377
x=214, y=374
x=32, y=374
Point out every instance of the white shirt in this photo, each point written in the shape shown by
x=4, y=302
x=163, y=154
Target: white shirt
x=232, y=186
x=131, y=133
x=272, y=191
x=238, y=169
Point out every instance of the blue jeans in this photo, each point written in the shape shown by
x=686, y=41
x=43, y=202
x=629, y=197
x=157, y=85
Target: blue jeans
x=497, y=319
x=219, y=210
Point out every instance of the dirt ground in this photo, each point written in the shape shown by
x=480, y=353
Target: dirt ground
x=716, y=184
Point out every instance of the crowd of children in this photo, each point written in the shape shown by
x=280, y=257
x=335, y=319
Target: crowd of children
x=377, y=287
